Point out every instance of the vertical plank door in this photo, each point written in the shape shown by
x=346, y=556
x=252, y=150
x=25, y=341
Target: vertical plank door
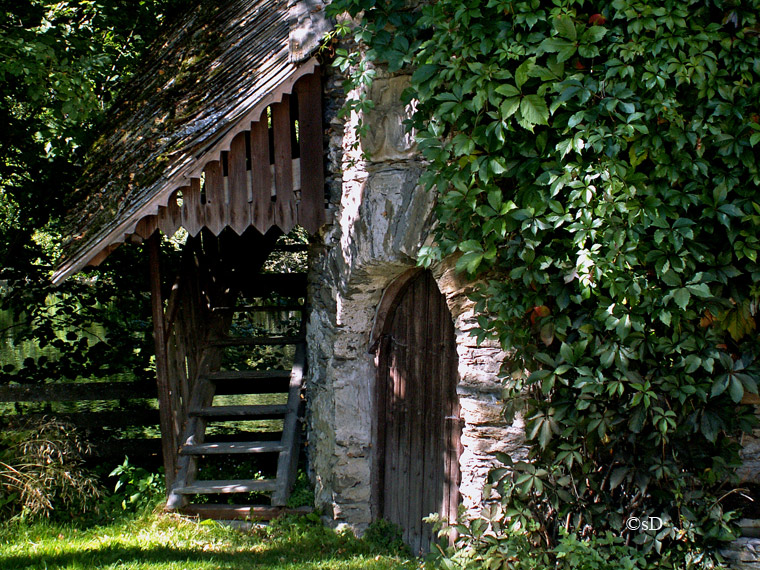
x=418, y=412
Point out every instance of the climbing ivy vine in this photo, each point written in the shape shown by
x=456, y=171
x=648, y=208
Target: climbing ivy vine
x=597, y=172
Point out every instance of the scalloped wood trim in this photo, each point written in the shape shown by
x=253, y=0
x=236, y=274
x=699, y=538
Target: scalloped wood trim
x=181, y=176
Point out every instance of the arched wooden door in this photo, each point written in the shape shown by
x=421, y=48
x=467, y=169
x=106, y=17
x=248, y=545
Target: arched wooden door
x=418, y=428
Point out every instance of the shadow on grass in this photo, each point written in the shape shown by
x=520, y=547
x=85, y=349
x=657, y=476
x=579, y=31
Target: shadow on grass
x=292, y=554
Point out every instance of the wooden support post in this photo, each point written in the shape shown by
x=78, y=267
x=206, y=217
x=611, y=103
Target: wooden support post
x=168, y=435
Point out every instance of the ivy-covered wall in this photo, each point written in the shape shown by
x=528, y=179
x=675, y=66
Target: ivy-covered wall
x=596, y=168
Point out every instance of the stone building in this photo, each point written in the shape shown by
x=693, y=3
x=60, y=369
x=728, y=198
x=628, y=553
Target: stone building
x=382, y=219
x=234, y=134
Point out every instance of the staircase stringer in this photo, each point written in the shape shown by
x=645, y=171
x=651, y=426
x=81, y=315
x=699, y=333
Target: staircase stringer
x=195, y=429
x=287, y=462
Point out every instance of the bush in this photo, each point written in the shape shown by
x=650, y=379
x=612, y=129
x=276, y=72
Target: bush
x=136, y=488
x=514, y=550
x=41, y=469
x=386, y=536
x=303, y=492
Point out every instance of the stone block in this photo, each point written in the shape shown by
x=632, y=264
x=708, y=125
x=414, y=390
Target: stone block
x=387, y=139
x=356, y=515
x=485, y=410
x=743, y=554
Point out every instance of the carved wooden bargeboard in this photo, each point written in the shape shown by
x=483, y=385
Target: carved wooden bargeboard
x=272, y=175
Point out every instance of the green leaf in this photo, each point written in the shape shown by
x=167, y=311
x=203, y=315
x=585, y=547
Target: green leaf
x=700, y=290
x=424, y=72
x=710, y=425
x=593, y=34
x=617, y=476
x=566, y=351
x=508, y=90
x=544, y=435
x=731, y=210
x=588, y=51
x=693, y=362
x=504, y=458
x=557, y=45
x=534, y=110
x=469, y=261
x=576, y=119
x=735, y=390
x=470, y=245
x=682, y=297
x=509, y=107
x=494, y=199
x=523, y=72
x=565, y=27
x=719, y=386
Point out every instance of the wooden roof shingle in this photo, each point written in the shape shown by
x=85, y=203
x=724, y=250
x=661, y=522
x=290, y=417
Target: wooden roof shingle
x=217, y=68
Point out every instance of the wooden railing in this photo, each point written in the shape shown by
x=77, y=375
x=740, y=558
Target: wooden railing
x=99, y=413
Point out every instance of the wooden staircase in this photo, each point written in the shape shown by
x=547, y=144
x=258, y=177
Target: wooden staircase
x=197, y=446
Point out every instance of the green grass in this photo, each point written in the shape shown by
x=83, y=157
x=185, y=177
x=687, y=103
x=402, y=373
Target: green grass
x=164, y=542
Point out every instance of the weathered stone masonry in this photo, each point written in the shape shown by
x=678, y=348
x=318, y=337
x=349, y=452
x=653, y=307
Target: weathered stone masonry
x=381, y=219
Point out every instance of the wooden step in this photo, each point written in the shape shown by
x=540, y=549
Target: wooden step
x=275, y=436
x=239, y=381
x=273, y=386
x=241, y=512
x=246, y=375
x=261, y=412
x=292, y=307
x=232, y=447
x=254, y=341
x=228, y=486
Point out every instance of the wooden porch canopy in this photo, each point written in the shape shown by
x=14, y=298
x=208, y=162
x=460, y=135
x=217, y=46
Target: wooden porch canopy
x=222, y=128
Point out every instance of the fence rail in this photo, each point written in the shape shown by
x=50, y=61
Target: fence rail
x=122, y=407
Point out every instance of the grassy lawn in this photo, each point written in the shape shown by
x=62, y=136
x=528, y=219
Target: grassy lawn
x=162, y=542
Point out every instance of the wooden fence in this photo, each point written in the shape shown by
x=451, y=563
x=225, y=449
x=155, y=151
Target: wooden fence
x=117, y=418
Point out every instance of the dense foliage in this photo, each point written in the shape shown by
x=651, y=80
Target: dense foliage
x=61, y=65
x=596, y=166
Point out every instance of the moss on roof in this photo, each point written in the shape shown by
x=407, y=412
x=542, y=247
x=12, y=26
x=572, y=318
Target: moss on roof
x=209, y=69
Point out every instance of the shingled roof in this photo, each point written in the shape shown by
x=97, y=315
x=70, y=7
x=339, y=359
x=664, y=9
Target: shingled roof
x=218, y=68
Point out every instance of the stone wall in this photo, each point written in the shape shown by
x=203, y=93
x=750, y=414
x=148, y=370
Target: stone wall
x=381, y=218
x=743, y=554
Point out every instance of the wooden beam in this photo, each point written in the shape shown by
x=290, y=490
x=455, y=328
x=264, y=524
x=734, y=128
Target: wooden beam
x=97, y=420
x=285, y=203
x=262, y=209
x=71, y=392
x=311, y=210
x=242, y=512
x=168, y=437
x=239, y=213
